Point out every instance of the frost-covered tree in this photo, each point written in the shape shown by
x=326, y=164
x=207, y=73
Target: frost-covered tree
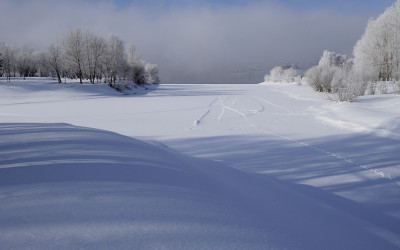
x=332, y=59
x=74, y=53
x=377, y=53
x=142, y=72
x=82, y=55
x=139, y=73
x=1, y=63
x=320, y=77
x=44, y=68
x=94, y=55
x=152, y=73
x=275, y=75
x=98, y=50
x=88, y=56
x=9, y=61
x=56, y=59
x=281, y=74
x=137, y=69
x=2, y=46
x=334, y=74
x=289, y=75
x=115, y=58
x=346, y=84
x=26, y=64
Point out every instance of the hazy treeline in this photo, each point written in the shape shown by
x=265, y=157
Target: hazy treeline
x=81, y=55
x=375, y=65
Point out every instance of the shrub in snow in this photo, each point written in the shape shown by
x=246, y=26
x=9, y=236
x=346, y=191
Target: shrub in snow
x=142, y=72
x=289, y=75
x=152, y=73
x=351, y=87
x=334, y=75
x=279, y=74
x=139, y=74
x=329, y=72
x=275, y=75
x=320, y=78
x=342, y=76
x=371, y=88
x=313, y=76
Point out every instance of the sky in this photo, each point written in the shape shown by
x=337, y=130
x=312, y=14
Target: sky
x=209, y=41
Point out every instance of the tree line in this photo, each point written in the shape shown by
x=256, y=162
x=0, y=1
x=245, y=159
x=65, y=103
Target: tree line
x=80, y=55
x=375, y=65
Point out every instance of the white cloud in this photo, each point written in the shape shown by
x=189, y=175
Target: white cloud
x=192, y=43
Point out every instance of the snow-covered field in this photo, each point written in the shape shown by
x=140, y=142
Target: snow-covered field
x=269, y=166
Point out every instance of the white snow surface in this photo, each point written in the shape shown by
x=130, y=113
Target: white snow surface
x=268, y=166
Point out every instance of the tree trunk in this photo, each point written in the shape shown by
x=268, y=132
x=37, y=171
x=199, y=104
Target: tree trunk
x=58, y=76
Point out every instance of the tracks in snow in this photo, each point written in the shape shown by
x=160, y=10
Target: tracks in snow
x=218, y=108
x=198, y=121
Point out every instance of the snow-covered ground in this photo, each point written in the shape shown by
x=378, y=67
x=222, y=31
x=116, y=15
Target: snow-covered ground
x=269, y=166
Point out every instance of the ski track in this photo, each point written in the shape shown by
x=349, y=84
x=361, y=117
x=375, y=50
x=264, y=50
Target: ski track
x=198, y=121
x=241, y=112
x=223, y=102
x=273, y=104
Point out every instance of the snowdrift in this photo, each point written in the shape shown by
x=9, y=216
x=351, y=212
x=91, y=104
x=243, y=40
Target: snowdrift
x=63, y=187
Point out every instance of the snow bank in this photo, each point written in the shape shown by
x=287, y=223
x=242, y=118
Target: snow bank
x=377, y=115
x=64, y=187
